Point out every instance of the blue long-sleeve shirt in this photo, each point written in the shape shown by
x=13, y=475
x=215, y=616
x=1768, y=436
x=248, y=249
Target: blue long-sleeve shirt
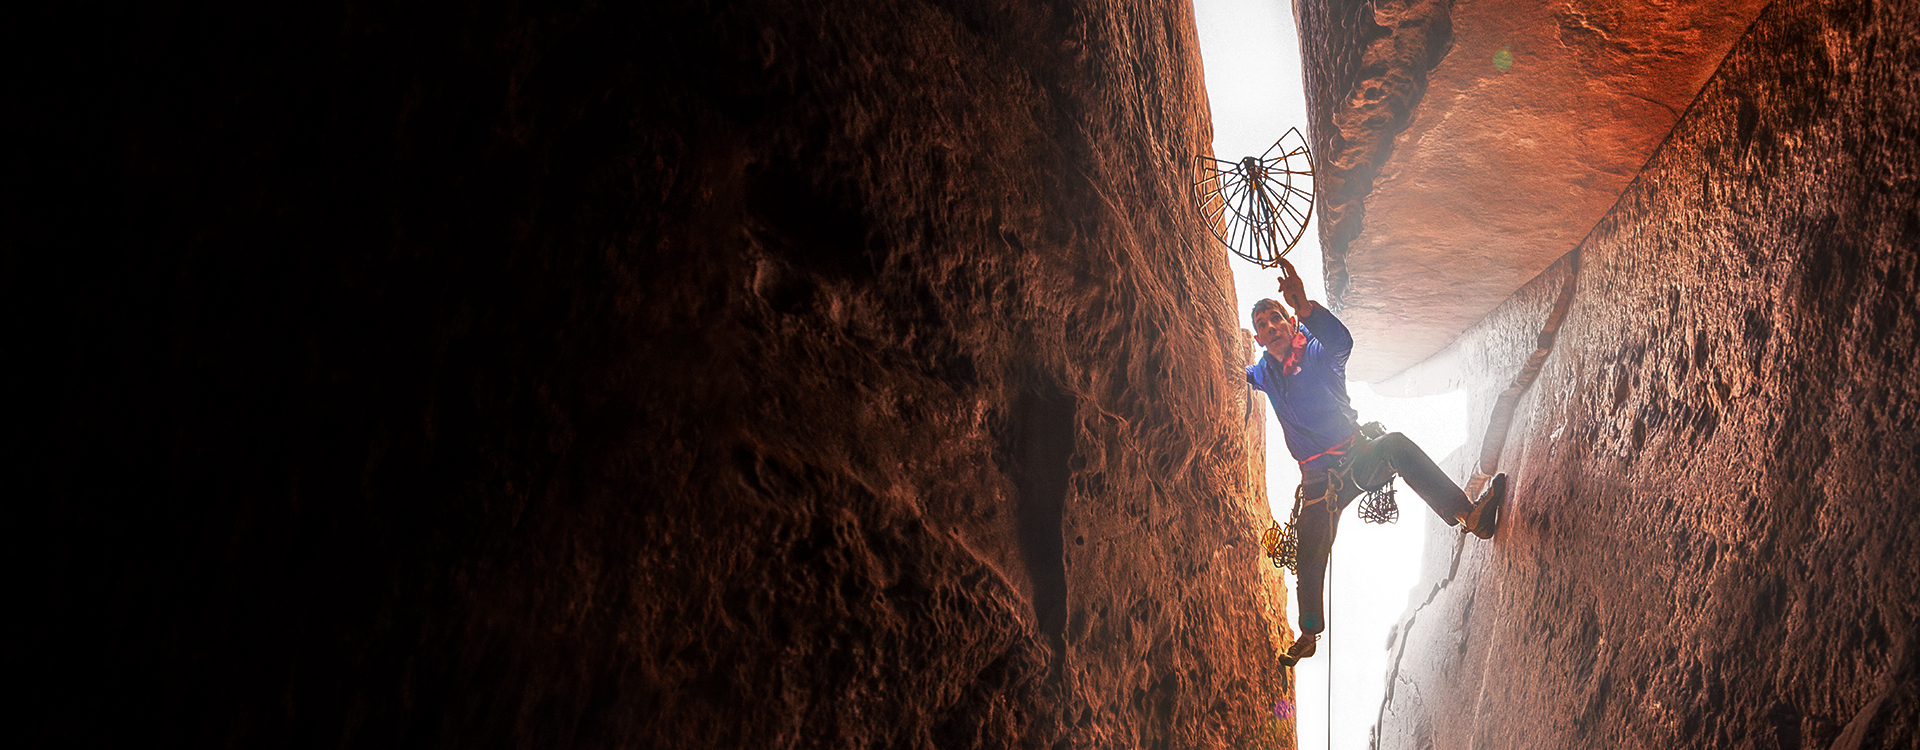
x=1312, y=404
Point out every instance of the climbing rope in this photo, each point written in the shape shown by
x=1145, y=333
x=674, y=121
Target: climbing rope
x=1379, y=506
x=1335, y=479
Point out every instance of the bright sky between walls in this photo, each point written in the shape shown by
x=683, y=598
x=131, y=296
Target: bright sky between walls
x=1251, y=53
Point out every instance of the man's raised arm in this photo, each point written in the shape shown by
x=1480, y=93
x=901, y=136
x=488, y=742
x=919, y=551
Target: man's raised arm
x=1332, y=333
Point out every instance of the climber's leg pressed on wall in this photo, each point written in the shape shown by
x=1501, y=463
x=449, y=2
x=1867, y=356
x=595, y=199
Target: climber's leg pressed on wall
x=1393, y=453
x=1484, y=519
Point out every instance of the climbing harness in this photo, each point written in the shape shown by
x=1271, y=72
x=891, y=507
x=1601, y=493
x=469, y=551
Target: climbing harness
x=1283, y=542
x=1259, y=206
x=1337, y=450
x=1378, y=506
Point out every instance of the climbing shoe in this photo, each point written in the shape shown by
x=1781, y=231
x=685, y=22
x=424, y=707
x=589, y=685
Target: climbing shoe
x=1302, y=648
x=1485, y=517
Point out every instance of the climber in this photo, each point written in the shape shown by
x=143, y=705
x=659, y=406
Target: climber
x=1304, y=374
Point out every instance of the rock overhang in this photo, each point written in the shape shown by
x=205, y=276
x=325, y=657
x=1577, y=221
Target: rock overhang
x=1466, y=146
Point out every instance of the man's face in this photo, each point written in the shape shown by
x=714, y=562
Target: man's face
x=1271, y=330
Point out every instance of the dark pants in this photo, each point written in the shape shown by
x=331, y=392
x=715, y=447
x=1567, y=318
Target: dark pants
x=1366, y=467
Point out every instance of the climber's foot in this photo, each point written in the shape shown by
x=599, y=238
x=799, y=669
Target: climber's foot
x=1485, y=517
x=1302, y=648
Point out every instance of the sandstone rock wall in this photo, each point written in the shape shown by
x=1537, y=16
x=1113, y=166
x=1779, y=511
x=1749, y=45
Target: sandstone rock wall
x=1712, y=537
x=830, y=374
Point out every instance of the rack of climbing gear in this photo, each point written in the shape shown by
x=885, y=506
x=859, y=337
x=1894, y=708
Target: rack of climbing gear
x=1283, y=544
x=1379, y=505
x=1258, y=206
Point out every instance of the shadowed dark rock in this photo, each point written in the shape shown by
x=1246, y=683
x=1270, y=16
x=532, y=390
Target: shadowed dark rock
x=799, y=375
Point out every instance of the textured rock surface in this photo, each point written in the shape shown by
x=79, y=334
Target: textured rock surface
x=1712, y=541
x=1472, y=143
x=806, y=375
x=1365, y=67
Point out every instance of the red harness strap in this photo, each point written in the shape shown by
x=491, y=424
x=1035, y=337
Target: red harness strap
x=1337, y=450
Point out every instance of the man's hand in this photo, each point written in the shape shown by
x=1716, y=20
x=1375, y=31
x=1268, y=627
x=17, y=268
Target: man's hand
x=1293, y=291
